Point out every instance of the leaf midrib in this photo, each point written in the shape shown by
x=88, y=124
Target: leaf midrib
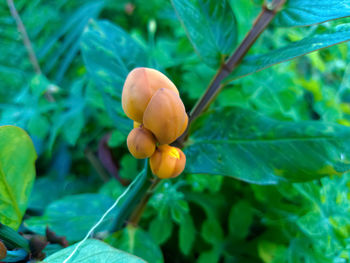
x=263, y=140
x=9, y=192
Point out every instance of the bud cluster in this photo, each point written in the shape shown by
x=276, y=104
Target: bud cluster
x=153, y=102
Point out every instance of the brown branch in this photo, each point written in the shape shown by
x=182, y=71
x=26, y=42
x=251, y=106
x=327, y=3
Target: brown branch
x=263, y=20
x=28, y=45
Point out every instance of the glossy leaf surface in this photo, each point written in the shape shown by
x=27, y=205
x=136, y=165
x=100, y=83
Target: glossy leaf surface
x=309, y=12
x=210, y=26
x=251, y=147
x=93, y=251
x=309, y=44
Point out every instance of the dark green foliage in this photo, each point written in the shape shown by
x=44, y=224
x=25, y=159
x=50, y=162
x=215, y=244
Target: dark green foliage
x=281, y=129
x=248, y=146
x=210, y=26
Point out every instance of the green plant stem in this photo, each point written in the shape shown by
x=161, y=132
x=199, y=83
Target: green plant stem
x=96, y=164
x=28, y=45
x=263, y=20
x=137, y=213
x=137, y=192
x=13, y=239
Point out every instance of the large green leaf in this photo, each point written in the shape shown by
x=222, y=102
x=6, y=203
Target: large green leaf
x=240, y=219
x=70, y=31
x=309, y=44
x=73, y=216
x=93, y=251
x=308, y=12
x=137, y=242
x=248, y=146
x=161, y=229
x=187, y=234
x=109, y=54
x=54, y=188
x=17, y=174
x=210, y=26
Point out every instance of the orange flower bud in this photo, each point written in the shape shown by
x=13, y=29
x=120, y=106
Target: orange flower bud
x=167, y=161
x=139, y=87
x=165, y=116
x=141, y=143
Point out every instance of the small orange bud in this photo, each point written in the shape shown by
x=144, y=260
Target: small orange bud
x=167, y=161
x=165, y=116
x=139, y=87
x=141, y=143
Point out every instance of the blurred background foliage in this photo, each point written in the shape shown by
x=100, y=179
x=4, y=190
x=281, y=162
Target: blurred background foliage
x=83, y=163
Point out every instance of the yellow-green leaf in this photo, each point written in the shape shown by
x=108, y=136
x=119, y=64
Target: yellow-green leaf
x=17, y=174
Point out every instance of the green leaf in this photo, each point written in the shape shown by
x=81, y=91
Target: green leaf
x=187, y=234
x=134, y=195
x=315, y=224
x=212, y=231
x=248, y=146
x=309, y=12
x=109, y=54
x=72, y=128
x=240, y=219
x=71, y=121
x=17, y=174
x=178, y=209
x=38, y=126
x=211, y=256
x=112, y=188
x=69, y=38
x=210, y=26
x=271, y=252
x=160, y=229
x=202, y=182
x=73, y=216
x=315, y=214
x=137, y=242
x=128, y=167
x=245, y=12
x=254, y=63
x=117, y=139
x=53, y=188
x=92, y=251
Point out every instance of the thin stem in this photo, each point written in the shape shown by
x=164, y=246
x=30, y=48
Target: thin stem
x=142, y=184
x=263, y=20
x=25, y=36
x=28, y=45
x=137, y=213
x=97, y=165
